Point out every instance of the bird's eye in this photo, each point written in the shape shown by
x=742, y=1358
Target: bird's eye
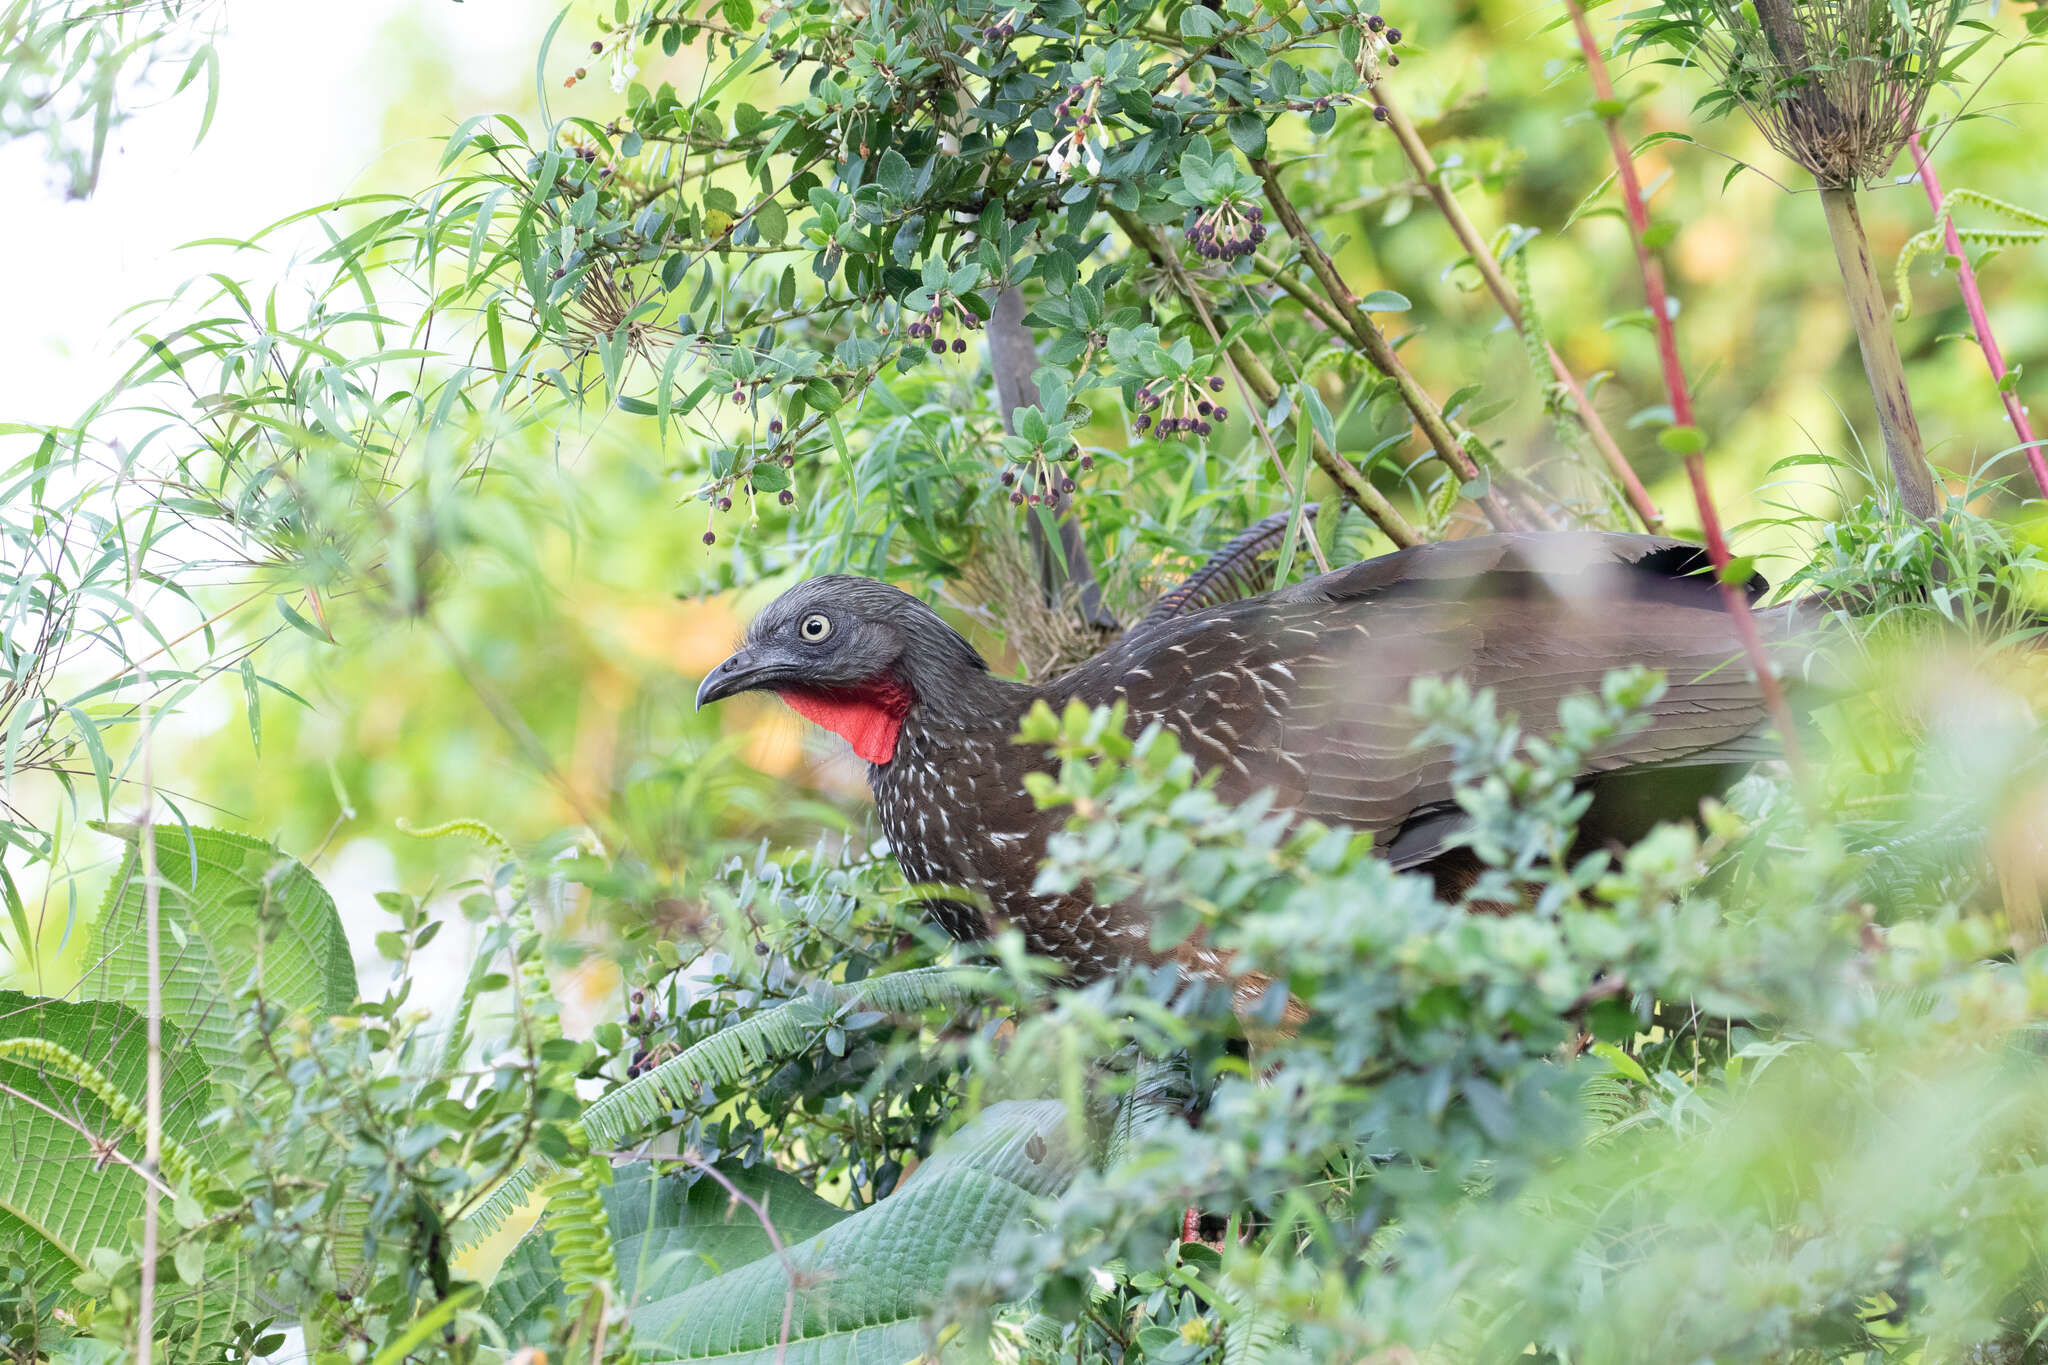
x=815, y=627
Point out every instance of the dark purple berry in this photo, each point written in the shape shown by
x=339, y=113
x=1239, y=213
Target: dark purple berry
x=1016, y=499
x=1205, y=407
x=938, y=345
x=959, y=345
x=1393, y=36
x=1379, y=111
x=785, y=497
x=1222, y=413
x=710, y=537
x=775, y=427
x=1087, y=462
x=1009, y=477
x=1393, y=60
x=725, y=504
x=1375, y=23
x=1215, y=383
x=1066, y=485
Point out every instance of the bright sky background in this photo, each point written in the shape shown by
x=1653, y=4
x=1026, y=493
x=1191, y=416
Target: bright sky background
x=315, y=105
x=311, y=98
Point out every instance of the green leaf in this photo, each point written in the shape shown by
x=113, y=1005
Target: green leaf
x=1385, y=301
x=644, y=1105
x=1682, y=441
x=58, y=1200
x=1297, y=478
x=301, y=624
x=860, y=1290
x=669, y=1232
x=252, y=701
x=222, y=897
x=1248, y=132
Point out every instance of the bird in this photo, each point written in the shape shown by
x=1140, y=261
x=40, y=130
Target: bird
x=1299, y=693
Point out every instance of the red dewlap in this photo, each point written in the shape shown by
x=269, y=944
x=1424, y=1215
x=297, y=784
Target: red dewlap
x=869, y=715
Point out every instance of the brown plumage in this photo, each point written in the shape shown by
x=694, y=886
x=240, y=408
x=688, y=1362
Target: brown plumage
x=1301, y=691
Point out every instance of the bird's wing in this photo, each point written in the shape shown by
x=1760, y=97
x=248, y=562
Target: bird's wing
x=1305, y=692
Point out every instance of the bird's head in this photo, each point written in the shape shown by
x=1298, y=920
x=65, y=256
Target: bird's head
x=854, y=655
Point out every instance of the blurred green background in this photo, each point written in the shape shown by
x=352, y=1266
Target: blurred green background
x=587, y=626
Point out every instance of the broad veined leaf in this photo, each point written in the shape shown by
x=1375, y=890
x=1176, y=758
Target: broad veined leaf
x=859, y=1291
x=228, y=902
x=65, y=1187
x=670, y=1232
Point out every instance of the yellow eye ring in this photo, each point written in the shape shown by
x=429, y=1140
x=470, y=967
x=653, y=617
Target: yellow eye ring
x=815, y=627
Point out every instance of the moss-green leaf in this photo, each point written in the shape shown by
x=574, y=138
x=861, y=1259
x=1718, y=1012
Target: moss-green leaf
x=222, y=893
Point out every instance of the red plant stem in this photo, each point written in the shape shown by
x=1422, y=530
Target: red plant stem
x=1732, y=594
x=1638, y=226
x=1980, y=321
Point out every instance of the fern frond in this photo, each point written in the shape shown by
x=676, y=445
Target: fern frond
x=177, y=1164
x=1254, y=1332
x=1935, y=239
x=644, y=1104
x=500, y=1204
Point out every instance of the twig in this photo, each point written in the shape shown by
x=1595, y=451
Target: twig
x=1980, y=320
x=1489, y=269
x=153, y=1022
x=1681, y=400
x=775, y=1244
x=1258, y=384
x=1366, y=335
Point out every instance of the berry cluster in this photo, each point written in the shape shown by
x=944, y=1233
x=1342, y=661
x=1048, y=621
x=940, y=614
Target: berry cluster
x=1037, y=483
x=928, y=327
x=648, y=1051
x=722, y=502
x=1228, y=231
x=1180, y=407
x=1000, y=31
x=1389, y=39
x=1079, y=105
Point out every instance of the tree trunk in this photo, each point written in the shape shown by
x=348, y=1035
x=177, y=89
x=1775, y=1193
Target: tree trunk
x=1013, y=356
x=1887, y=373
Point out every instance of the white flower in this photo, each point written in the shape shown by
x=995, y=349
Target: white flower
x=622, y=70
x=1074, y=149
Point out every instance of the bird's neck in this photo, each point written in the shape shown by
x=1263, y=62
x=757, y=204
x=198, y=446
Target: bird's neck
x=871, y=715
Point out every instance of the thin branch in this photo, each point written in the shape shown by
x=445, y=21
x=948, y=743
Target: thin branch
x=1732, y=595
x=1980, y=320
x=1467, y=233
x=1258, y=384
x=153, y=1016
x=1366, y=335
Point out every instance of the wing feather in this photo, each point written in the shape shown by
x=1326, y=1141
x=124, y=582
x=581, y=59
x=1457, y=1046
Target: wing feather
x=1305, y=691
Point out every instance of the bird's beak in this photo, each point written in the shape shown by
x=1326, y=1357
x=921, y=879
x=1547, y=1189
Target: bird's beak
x=742, y=672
